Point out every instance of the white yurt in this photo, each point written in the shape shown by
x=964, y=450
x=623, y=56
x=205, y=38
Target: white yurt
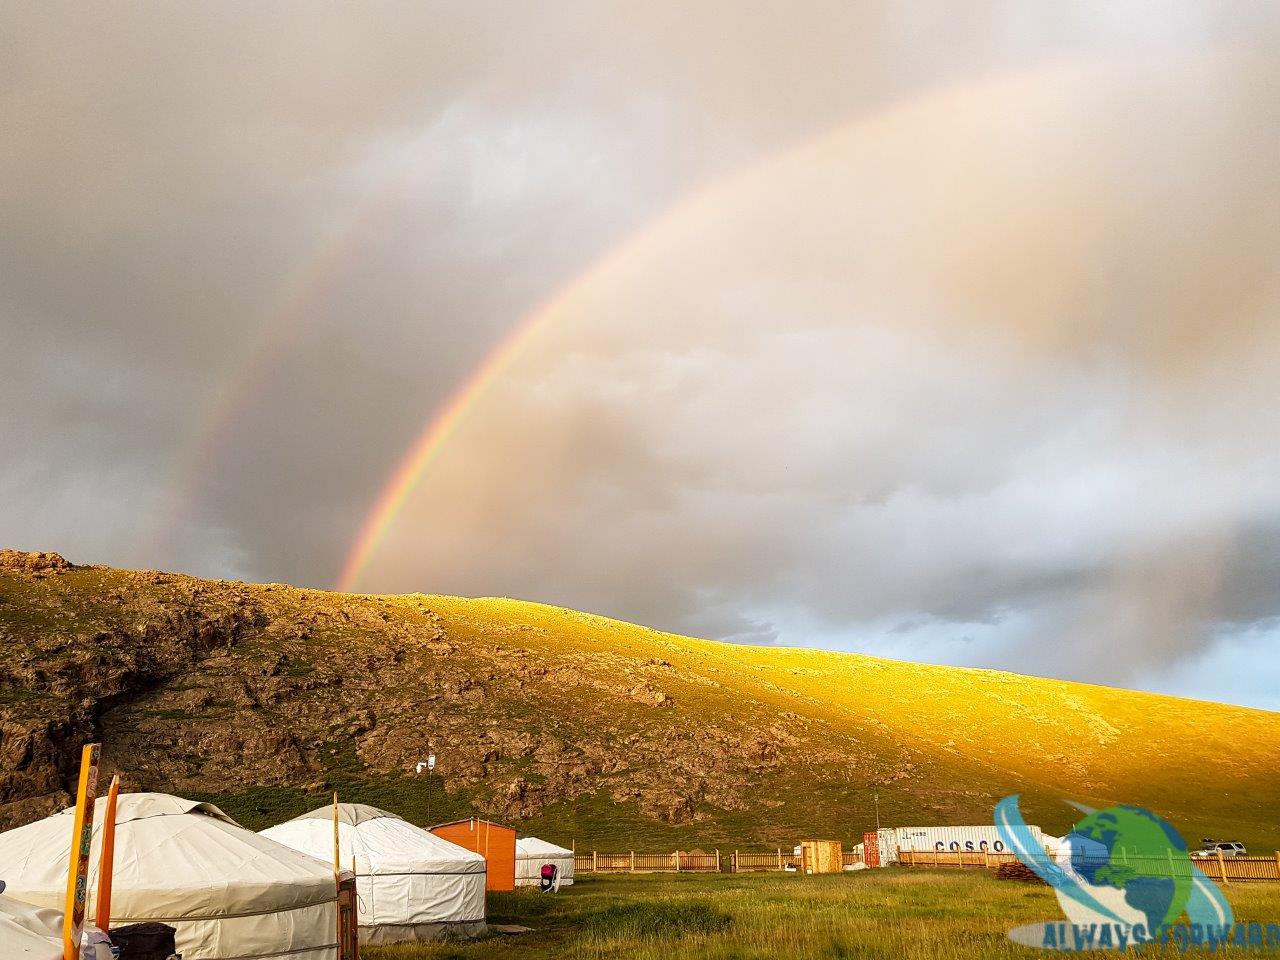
x=412, y=885
x=230, y=893
x=29, y=933
x=532, y=853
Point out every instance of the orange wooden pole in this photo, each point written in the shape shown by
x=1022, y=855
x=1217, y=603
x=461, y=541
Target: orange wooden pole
x=106, y=866
x=337, y=872
x=81, y=844
x=337, y=856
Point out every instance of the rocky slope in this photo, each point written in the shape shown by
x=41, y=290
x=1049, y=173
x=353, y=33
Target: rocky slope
x=264, y=697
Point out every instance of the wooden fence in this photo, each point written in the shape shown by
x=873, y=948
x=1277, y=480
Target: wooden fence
x=680, y=861
x=1223, y=869
x=677, y=861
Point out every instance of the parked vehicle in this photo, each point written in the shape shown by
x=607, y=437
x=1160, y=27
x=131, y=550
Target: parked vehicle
x=1228, y=848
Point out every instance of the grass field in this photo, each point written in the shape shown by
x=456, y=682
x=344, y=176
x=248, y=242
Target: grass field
x=890, y=914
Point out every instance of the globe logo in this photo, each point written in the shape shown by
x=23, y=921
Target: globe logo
x=1131, y=852
x=1122, y=876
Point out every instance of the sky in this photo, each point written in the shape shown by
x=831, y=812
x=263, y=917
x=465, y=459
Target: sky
x=944, y=332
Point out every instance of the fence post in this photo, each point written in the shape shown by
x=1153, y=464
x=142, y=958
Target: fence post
x=1222, y=867
x=633, y=861
x=779, y=858
x=735, y=860
x=1278, y=864
x=677, y=861
x=717, y=859
x=986, y=859
x=595, y=862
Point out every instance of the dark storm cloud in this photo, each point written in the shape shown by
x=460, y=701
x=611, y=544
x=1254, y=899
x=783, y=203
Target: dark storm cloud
x=406, y=181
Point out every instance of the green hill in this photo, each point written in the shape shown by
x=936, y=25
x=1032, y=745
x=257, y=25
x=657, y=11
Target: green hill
x=266, y=697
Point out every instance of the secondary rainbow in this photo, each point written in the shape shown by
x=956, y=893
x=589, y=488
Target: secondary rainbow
x=233, y=394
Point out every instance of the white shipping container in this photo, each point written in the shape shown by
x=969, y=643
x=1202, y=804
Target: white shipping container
x=954, y=839
x=887, y=841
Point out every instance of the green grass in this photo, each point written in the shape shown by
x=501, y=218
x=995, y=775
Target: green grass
x=879, y=915
x=419, y=800
x=642, y=921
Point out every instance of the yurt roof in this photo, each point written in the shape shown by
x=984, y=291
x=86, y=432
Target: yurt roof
x=534, y=847
x=143, y=806
x=381, y=841
x=174, y=858
x=29, y=933
x=350, y=813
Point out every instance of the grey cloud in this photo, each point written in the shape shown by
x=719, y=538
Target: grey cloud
x=999, y=375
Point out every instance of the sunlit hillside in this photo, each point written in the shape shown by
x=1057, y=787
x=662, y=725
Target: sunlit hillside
x=266, y=697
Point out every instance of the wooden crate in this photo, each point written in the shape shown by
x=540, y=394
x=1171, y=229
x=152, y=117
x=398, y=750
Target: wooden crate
x=821, y=856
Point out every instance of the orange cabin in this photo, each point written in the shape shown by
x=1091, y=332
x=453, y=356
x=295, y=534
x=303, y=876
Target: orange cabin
x=493, y=841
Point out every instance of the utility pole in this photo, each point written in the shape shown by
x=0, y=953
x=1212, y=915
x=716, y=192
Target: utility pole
x=428, y=765
x=877, y=799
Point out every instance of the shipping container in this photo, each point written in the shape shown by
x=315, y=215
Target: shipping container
x=870, y=849
x=954, y=839
x=887, y=838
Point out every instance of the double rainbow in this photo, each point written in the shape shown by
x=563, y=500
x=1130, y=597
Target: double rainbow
x=436, y=433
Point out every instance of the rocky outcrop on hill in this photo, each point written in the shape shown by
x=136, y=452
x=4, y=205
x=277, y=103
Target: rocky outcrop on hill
x=193, y=684
x=66, y=664
x=23, y=562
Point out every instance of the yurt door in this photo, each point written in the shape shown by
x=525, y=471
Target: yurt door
x=348, y=921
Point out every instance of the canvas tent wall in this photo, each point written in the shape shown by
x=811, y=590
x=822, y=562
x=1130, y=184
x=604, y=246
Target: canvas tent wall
x=493, y=841
x=411, y=884
x=532, y=853
x=229, y=893
x=27, y=932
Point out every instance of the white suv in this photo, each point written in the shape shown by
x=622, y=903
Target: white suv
x=1228, y=848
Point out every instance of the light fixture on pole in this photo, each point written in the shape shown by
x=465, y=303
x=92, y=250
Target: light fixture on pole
x=428, y=765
